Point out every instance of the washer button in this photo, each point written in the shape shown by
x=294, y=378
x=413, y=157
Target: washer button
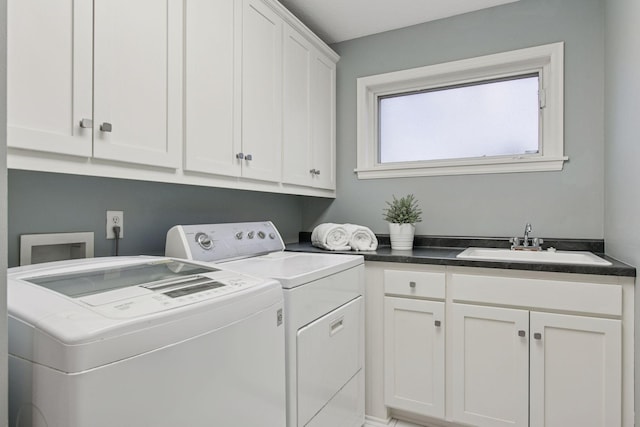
x=251, y=234
x=261, y=234
x=239, y=235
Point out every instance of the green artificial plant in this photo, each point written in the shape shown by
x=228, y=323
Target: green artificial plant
x=404, y=210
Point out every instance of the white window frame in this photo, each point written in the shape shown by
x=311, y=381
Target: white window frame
x=546, y=60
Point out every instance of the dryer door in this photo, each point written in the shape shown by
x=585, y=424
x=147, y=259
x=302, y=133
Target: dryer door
x=329, y=355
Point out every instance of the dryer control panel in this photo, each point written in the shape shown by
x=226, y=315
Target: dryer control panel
x=223, y=242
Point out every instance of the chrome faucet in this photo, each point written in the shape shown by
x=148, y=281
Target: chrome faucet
x=527, y=230
x=527, y=243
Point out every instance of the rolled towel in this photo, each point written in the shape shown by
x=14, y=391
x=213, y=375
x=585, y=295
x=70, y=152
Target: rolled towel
x=330, y=236
x=361, y=238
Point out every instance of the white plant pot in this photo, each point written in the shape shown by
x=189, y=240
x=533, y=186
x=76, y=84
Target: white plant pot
x=401, y=236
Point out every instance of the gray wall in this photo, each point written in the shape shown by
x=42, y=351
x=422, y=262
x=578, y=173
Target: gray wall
x=622, y=131
x=3, y=212
x=51, y=203
x=561, y=204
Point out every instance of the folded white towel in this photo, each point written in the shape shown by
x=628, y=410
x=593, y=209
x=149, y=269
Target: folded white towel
x=361, y=238
x=330, y=236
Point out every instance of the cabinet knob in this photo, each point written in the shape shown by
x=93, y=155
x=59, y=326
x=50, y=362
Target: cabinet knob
x=437, y=323
x=522, y=333
x=240, y=156
x=312, y=171
x=412, y=284
x=248, y=157
x=86, y=123
x=106, y=127
x=317, y=172
x=537, y=336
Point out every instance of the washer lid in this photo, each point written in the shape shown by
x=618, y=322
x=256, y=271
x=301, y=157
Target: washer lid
x=293, y=269
x=116, y=312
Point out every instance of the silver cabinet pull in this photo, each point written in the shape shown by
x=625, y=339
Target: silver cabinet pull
x=248, y=157
x=522, y=333
x=312, y=171
x=86, y=123
x=106, y=127
x=437, y=323
x=537, y=336
x=412, y=284
x=240, y=156
x=317, y=172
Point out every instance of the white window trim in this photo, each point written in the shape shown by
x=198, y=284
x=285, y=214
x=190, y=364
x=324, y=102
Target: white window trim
x=547, y=60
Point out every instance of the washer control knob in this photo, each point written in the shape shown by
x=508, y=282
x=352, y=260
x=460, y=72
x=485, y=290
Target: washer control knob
x=261, y=234
x=272, y=235
x=239, y=235
x=251, y=234
x=204, y=241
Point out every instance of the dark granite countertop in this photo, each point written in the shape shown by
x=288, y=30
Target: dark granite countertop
x=446, y=255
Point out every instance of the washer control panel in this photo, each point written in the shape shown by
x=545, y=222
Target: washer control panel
x=223, y=242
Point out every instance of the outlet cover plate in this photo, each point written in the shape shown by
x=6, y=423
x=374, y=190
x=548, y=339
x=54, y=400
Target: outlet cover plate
x=115, y=218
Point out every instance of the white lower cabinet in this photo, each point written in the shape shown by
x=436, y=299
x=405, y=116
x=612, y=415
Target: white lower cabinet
x=519, y=368
x=576, y=374
x=414, y=355
x=523, y=349
x=490, y=366
x=414, y=342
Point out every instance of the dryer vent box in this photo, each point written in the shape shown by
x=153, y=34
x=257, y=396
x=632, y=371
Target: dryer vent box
x=39, y=248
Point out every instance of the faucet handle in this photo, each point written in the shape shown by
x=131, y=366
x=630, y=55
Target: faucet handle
x=537, y=241
x=515, y=241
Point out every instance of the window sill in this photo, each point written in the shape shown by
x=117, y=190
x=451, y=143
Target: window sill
x=462, y=167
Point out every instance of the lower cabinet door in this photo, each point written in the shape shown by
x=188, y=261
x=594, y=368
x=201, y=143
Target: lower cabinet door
x=575, y=371
x=490, y=366
x=414, y=377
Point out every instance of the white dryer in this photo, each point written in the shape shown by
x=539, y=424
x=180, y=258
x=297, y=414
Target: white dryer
x=144, y=342
x=324, y=314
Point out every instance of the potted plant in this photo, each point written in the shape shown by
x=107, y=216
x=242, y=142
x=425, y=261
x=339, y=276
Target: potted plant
x=402, y=214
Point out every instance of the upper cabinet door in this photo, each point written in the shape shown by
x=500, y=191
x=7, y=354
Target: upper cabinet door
x=261, y=92
x=137, y=81
x=323, y=124
x=297, y=153
x=49, y=75
x=212, y=86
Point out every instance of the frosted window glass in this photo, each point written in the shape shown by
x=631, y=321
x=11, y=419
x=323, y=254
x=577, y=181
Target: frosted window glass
x=497, y=118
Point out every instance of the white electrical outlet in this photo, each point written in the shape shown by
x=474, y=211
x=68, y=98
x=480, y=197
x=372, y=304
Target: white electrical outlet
x=115, y=218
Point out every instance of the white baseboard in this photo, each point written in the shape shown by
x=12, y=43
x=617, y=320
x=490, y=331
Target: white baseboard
x=370, y=421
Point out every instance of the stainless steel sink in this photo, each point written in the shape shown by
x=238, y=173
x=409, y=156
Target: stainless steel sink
x=554, y=257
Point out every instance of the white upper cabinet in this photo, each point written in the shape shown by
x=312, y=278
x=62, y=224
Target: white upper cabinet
x=121, y=56
x=212, y=86
x=261, y=92
x=309, y=113
x=323, y=123
x=297, y=154
x=180, y=91
x=137, y=81
x=49, y=75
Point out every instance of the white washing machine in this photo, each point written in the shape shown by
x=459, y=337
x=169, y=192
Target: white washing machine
x=324, y=314
x=144, y=342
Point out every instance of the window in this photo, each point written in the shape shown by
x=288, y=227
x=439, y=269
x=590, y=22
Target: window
x=492, y=114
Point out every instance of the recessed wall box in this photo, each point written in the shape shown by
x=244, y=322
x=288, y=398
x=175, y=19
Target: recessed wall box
x=38, y=248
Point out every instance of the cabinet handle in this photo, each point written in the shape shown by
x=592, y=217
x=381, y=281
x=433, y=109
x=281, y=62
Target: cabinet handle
x=537, y=336
x=240, y=156
x=312, y=171
x=412, y=284
x=317, y=172
x=522, y=333
x=106, y=127
x=437, y=323
x=248, y=157
x=86, y=123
